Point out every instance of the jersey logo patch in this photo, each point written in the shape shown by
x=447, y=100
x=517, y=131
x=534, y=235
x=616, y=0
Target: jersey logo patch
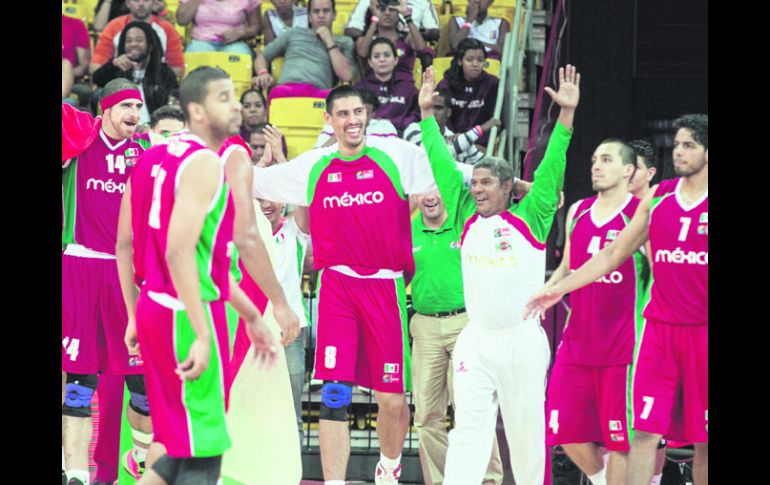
x=388, y=378
x=617, y=437
x=703, y=230
x=503, y=246
x=364, y=174
x=454, y=245
x=612, y=234
x=503, y=232
x=616, y=426
x=704, y=218
x=132, y=152
x=334, y=177
x=416, y=249
x=391, y=369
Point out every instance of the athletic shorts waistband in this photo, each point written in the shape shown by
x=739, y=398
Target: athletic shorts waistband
x=386, y=274
x=83, y=252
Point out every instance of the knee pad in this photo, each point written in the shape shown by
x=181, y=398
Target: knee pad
x=335, y=399
x=138, y=393
x=79, y=391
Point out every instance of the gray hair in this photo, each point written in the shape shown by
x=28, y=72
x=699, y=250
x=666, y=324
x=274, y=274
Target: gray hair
x=500, y=168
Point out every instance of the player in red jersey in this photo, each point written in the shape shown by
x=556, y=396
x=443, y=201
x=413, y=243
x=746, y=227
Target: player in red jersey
x=670, y=396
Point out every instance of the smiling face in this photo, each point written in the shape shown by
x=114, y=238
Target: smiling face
x=432, y=208
x=490, y=195
x=348, y=119
x=271, y=210
x=136, y=45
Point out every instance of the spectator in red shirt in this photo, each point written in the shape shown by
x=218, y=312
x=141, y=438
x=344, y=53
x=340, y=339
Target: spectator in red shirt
x=75, y=44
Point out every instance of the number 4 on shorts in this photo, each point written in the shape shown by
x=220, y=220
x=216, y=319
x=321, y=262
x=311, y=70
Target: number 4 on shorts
x=71, y=347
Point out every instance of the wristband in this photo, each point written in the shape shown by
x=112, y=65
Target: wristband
x=261, y=71
x=332, y=47
x=466, y=25
x=478, y=130
x=375, y=19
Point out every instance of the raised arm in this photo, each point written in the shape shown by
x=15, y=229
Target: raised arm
x=562, y=271
x=240, y=177
x=613, y=255
x=449, y=178
x=342, y=66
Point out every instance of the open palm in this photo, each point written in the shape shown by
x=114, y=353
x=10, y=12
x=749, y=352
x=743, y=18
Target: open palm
x=425, y=99
x=568, y=95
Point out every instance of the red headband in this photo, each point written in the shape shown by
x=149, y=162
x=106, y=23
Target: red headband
x=121, y=95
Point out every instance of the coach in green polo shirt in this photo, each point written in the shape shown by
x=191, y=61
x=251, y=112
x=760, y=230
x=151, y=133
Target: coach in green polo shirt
x=437, y=297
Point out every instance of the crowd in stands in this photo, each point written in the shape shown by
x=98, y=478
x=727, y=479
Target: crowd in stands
x=296, y=50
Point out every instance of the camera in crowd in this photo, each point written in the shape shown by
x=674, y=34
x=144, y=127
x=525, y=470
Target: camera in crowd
x=385, y=4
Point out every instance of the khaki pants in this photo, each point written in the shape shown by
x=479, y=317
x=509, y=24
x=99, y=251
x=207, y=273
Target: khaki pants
x=432, y=349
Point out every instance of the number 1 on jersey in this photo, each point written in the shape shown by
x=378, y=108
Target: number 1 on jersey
x=154, y=217
x=685, y=227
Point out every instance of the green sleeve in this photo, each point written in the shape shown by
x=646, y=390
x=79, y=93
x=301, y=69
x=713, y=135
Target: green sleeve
x=449, y=179
x=538, y=207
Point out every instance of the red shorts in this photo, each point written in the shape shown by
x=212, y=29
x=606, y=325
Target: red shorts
x=188, y=417
x=93, y=320
x=588, y=404
x=362, y=332
x=671, y=382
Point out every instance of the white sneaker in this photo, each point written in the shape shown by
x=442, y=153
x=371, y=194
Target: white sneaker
x=383, y=476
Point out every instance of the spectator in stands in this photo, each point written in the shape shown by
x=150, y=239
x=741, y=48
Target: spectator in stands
x=107, y=10
x=139, y=59
x=474, y=91
x=67, y=79
x=478, y=25
x=76, y=45
x=141, y=11
x=263, y=135
x=461, y=145
x=314, y=58
x=397, y=95
x=374, y=126
x=422, y=11
x=382, y=24
x=253, y=112
x=167, y=120
x=286, y=14
x=220, y=25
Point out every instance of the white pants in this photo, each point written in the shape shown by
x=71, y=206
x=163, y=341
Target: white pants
x=505, y=368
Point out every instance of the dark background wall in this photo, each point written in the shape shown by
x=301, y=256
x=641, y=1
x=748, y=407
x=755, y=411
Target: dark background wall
x=641, y=61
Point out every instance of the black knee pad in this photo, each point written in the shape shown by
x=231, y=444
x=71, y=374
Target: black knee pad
x=335, y=400
x=138, y=392
x=189, y=471
x=79, y=392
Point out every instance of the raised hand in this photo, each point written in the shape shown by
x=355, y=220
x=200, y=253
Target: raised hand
x=273, y=136
x=267, y=157
x=568, y=95
x=427, y=91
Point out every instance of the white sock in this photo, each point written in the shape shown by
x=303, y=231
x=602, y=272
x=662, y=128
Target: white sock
x=81, y=475
x=388, y=463
x=334, y=482
x=140, y=454
x=599, y=478
x=656, y=479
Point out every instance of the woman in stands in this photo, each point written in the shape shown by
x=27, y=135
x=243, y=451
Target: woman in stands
x=474, y=91
x=397, y=95
x=386, y=15
x=220, y=25
x=139, y=59
x=253, y=112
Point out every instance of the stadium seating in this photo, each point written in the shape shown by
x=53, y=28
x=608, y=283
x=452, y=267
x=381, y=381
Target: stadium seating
x=275, y=67
x=237, y=65
x=441, y=64
x=76, y=11
x=300, y=120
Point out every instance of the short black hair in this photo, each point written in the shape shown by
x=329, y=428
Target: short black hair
x=194, y=86
x=368, y=97
x=258, y=128
x=166, y=113
x=258, y=92
x=627, y=154
x=698, y=124
x=446, y=94
x=644, y=149
x=344, y=91
x=381, y=40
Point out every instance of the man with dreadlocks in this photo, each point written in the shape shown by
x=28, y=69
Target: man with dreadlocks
x=140, y=59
